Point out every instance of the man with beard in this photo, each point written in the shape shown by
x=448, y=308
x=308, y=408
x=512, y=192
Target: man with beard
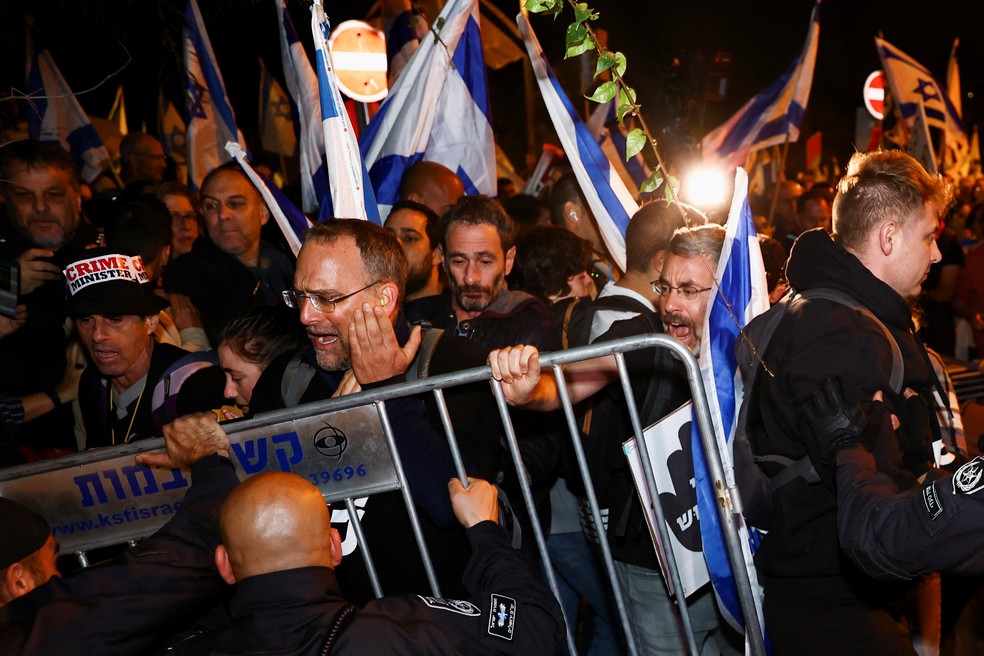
x=660, y=386
x=347, y=271
x=40, y=231
x=479, y=243
x=418, y=229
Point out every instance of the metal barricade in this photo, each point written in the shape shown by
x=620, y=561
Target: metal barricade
x=347, y=448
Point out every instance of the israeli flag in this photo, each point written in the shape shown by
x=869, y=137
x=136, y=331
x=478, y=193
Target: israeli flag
x=911, y=83
x=351, y=194
x=289, y=218
x=438, y=111
x=774, y=115
x=53, y=114
x=211, y=122
x=302, y=87
x=610, y=200
x=739, y=293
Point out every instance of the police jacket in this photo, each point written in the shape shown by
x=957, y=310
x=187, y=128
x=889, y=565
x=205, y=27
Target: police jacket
x=293, y=612
x=123, y=605
x=817, y=339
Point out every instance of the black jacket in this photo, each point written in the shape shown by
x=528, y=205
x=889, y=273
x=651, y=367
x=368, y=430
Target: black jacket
x=428, y=467
x=33, y=357
x=819, y=339
x=508, y=611
x=122, y=606
x=200, y=392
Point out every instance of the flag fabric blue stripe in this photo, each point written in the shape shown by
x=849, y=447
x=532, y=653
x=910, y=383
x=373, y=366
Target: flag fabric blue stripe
x=211, y=121
x=54, y=114
x=437, y=111
x=609, y=199
x=772, y=116
x=351, y=192
x=302, y=88
x=910, y=82
x=740, y=278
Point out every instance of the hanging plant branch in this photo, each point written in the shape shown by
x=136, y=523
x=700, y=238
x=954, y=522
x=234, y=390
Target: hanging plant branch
x=580, y=39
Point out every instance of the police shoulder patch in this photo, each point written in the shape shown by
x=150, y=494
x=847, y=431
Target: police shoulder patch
x=969, y=479
x=502, y=617
x=453, y=605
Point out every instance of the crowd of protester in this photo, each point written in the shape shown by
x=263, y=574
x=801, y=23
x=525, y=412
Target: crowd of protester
x=155, y=310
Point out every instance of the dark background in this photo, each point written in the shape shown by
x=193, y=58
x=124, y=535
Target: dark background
x=670, y=49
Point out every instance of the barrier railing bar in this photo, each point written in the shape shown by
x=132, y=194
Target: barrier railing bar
x=356, y=525
x=418, y=534
x=655, y=505
x=524, y=486
x=582, y=463
x=442, y=410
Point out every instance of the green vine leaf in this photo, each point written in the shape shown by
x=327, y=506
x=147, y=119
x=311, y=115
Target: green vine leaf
x=634, y=143
x=578, y=41
x=540, y=6
x=652, y=183
x=583, y=13
x=622, y=110
x=605, y=61
x=604, y=93
x=620, y=63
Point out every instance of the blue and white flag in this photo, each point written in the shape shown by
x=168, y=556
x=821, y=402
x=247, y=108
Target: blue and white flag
x=211, y=122
x=911, y=83
x=774, y=115
x=609, y=199
x=276, y=119
x=604, y=126
x=351, y=194
x=302, y=87
x=53, y=114
x=289, y=218
x=740, y=278
x=438, y=111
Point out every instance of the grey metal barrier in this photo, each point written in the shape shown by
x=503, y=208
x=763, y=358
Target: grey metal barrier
x=347, y=448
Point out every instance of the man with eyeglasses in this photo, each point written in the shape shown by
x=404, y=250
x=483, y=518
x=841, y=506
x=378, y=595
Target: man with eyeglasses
x=660, y=385
x=349, y=273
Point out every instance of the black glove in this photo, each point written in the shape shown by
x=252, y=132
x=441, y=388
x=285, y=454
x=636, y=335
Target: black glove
x=915, y=435
x=834, y=423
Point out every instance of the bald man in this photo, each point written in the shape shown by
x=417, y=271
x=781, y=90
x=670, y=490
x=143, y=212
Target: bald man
x=431, y=184
x=279, y=550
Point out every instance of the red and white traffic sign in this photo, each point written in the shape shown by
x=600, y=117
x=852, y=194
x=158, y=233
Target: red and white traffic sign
x=874, y=94
x=358, y=54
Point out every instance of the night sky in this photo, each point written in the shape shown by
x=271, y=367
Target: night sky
x=668, y=46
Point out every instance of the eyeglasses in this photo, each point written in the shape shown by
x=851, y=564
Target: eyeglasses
x=689, y=292
x=319, y=302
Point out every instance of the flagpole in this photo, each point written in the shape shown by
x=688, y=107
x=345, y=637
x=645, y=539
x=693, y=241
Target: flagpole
x=781, y=178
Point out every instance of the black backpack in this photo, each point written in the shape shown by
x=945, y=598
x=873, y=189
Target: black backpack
x=755, y=486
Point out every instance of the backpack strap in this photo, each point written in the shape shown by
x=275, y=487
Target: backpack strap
x=297, y=376
x=420, y=367
x=898, y=370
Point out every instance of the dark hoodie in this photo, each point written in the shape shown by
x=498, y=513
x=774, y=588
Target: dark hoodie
x=820, y=338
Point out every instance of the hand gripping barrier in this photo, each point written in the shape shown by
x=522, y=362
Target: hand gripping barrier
x=346, y=447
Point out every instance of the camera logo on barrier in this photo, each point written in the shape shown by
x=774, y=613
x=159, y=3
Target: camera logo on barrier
x=331, y=442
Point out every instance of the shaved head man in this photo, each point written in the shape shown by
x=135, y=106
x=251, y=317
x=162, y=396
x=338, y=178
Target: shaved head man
x=431, y=184
x=272, y=522
x=280, y=551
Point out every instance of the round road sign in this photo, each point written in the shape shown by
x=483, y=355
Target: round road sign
x=358, y=54
x=874, y=94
